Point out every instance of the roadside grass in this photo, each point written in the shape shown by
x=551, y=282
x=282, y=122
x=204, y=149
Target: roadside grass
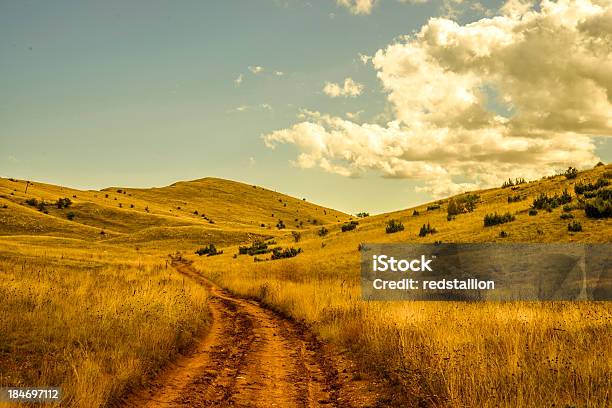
x=95, y=320
x=445, y=354
x=442, y=354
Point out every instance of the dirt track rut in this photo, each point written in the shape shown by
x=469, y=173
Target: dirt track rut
x=251, y=357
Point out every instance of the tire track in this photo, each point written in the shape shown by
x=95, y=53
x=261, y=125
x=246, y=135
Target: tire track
x=251, y=357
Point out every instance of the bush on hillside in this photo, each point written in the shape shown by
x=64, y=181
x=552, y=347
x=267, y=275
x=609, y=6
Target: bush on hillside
x=70, y=216
x=31, y=202
x=256, y=248
x=349, y=226
x=415, y=213
x=394, y=226
x=363, y=215
x=323, y=232
x=511, y=183
x=279, y=253
x=515, y=198
x=296, y=236
x=63, y=202
x=533, y=212
x=496, y=219
x=544, y=201
x=432, y=207
x=210, y=250
x=607, y=174
x=581, y=188
x=567, y=216
x=598, y=208
x=571, y=173
x=574, y=226
x=426, y=229
x=280, y=225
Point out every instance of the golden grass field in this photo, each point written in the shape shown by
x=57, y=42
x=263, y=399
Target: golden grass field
x=103, y=312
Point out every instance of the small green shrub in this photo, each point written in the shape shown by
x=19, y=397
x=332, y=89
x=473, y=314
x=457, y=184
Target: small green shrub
x=415, y=213
x=567, y=216
x=571, y=173
x=544, y=201
x=280, y=225
x=574, y=226
x=279, y=253
x=349, y=226
x=70, y=216
x=433, y=207
x=32, y=202
x=503, y=234
x=323, y=232
x=511, y=183
x=598, y=208
x=515, y=198
x=581, y=188
x=210, y=250
x=363, y=214
x=394, y=226
x=426, y=229
x=496, y=219
x=296, y=236
x=63, y=202
x=256, y=248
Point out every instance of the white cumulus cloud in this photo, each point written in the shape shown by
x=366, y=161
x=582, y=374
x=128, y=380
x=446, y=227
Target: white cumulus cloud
x=350, y=88
x=521, y=94
x=256, y=69
x=358, y=6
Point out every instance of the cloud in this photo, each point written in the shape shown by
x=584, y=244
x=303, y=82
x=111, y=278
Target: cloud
x=350, y=88
x=239, y=79
x=361, y=7
x=354, y=115
x=364, y=58
x=279, y=73
x=245, y=108
x=521, y=94
x=256, y=69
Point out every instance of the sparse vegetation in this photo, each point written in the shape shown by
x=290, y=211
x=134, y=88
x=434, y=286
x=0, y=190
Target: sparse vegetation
x=256, y=248
x=323, y=232
x=280, y=225
x=363, y=215
x=581, y=188
x=566, y=216
x=280, y=253
x=496, y=219
x=63, y=202
x=426, y=229
x=349, y=226
x=515, y=199
x=574, y=226
x=571, y=173
x=394, y=226
x=515, y=182
x=210, y=250
x=296, y=236
x=70, y=215
x=544, y=201
x=433, y=207
x=533, y=211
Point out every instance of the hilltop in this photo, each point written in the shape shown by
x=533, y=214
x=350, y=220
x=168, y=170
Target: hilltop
x=179, y=216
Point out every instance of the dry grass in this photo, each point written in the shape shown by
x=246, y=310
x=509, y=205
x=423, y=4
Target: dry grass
x=95, y=320
x=453, y=354
x=98, y=317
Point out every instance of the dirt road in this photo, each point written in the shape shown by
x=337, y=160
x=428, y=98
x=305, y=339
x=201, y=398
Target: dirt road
x=253, y=358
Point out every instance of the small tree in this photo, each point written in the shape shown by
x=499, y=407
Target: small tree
x=296, y=236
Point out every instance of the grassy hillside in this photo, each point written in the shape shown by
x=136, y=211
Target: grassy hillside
x=99, y=264
x=177, y=217
x=448, y=353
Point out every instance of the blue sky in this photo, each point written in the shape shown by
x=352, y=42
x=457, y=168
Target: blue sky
x=139, y=94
